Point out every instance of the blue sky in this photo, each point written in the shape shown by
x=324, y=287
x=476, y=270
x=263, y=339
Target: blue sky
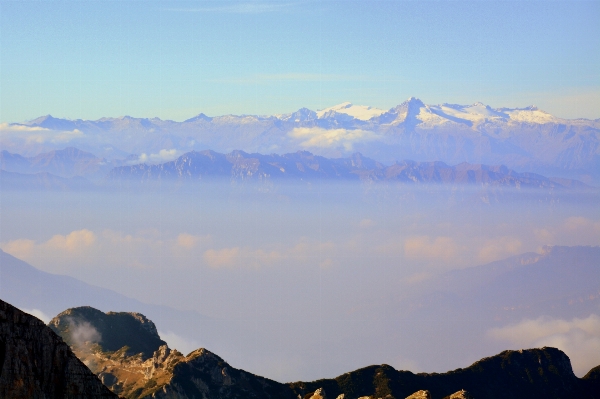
x=171, y=59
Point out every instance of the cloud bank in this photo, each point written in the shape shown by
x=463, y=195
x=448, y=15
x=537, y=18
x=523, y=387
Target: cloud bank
x=317, y=137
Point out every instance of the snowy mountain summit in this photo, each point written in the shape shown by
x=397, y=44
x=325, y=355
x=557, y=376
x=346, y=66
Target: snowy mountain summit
x=525, y=139
x=361, y=112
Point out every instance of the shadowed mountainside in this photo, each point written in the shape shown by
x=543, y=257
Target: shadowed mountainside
x=36, y=363
x=529, y=373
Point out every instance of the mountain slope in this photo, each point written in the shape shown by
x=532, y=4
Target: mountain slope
x=532, y=373
x=32, y=289
x=167, y=373
x=36, y=363
x=124, y=349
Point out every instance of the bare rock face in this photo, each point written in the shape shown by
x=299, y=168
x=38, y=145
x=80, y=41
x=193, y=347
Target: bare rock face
x=37, y=363
x=127, y=354
x=462, y=394
x=202, y=374
x=319, y=394
x=420, y=395
x=111, y=331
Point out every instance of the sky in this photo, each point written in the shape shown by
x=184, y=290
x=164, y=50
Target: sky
x=174, y=60
x=313, y=271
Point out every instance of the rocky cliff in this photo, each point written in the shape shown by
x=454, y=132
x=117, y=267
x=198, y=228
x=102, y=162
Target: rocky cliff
x=126, y=352
x=36, y=363
x=532, y=373
x=167, y=373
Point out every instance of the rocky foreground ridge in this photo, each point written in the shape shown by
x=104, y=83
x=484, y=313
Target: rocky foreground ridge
x=36, y=363
x=167, y=373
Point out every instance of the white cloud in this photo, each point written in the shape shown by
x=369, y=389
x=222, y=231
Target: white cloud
x=36, y=134
x=189, y=241
x=317, y=137
x=175, y=341
x=73, y=242
x=499, y=248
x=240, y=257
x=83, y=332
x=225, y=257
x=39, y=314
x=578, y=338
x=424, y=247
x=84, y=248
x=162, y=156
x=574, y=230
x=20, y=248
x=6, y=127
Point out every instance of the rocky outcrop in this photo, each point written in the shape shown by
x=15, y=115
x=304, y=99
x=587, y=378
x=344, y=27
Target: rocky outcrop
x=522, y=374
x=462, y=394
x=319, y=394
x=420, y=395
x=111, y=331
x=126, y=352
x=167, y=373
x=36, y=363
x=202, y=374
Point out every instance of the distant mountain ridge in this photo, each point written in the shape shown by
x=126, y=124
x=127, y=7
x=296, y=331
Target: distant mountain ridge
x=525, y=138
x=42, y=181
x=303, y=165
x=56, y=167
x=68, y=162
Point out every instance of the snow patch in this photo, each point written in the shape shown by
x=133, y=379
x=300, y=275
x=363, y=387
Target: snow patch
x=361, y=112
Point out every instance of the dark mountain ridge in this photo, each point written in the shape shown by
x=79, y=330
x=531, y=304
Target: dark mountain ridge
x=544, y=372
x=68, y=162
x=43, y=181
x=305, y=166
x=63, y=170
x=35, y=363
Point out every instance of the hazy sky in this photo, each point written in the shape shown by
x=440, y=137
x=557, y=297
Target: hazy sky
x=89, y=59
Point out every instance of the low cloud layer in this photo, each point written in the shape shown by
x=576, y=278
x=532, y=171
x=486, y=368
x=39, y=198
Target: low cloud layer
x=499, y=248
x=424, y=247
x=39, y=314
x=36, y=135
x=160, y=157
x=175, y=341
x=84, y=249
x=578, y=338
x=341, y=139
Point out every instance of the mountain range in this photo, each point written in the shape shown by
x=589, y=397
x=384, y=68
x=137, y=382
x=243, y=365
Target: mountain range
x=527, y=139
x=64, y=170
x=303, y=165
x=83, y=351
x=111, y=344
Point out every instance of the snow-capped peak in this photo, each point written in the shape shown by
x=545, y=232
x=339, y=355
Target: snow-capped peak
x=361, y=112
